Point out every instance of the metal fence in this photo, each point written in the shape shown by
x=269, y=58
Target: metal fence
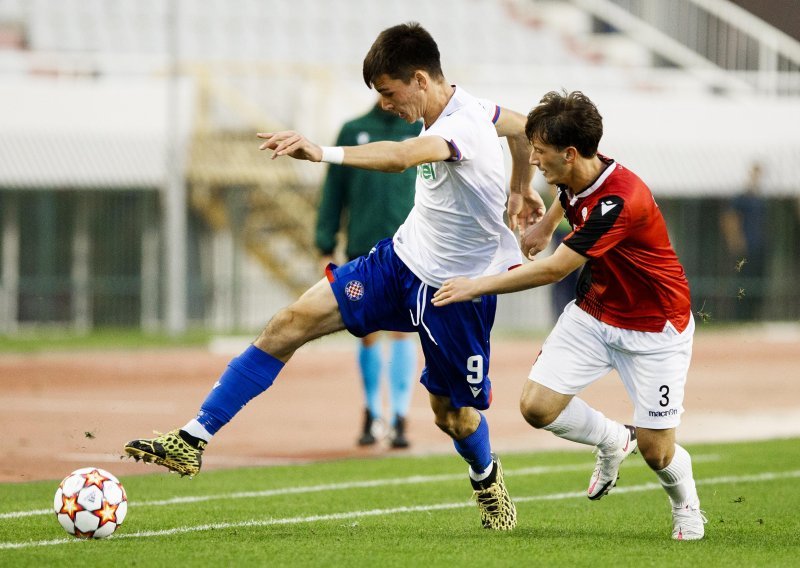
x=90, y=259
x=716, y=37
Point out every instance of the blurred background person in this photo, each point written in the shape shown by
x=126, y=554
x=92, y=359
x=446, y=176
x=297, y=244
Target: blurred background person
x=744, y=231
x=370, y=206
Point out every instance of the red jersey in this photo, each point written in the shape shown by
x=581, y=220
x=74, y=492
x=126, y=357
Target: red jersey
x=633, y=279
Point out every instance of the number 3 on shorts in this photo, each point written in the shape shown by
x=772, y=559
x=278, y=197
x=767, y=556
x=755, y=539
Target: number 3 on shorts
x=664, y=390
x=475, y=368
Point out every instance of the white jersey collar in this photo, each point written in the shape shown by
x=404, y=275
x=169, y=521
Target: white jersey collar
x=610, y=167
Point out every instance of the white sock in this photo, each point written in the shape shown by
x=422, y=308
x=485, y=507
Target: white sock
x=194, y=428
x=581, y=423
x=481, y=476
x=678, y=481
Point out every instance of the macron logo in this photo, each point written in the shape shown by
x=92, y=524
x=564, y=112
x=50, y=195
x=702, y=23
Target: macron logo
x=475, y=391
x=607, y=206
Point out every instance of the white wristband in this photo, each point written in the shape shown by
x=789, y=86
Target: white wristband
x=333, y=154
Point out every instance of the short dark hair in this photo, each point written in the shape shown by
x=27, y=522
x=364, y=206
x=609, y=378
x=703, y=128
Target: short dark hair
x=566, y=119
x=401, y=50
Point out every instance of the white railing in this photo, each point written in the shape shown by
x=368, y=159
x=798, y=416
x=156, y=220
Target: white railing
x=716, y=38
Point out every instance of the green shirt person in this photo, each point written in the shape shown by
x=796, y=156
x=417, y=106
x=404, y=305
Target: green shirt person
x=371, y=205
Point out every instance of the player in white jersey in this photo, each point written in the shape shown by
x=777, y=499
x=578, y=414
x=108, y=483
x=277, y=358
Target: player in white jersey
x=457, y=221
x=456, y=227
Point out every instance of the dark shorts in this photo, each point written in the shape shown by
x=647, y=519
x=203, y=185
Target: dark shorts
x=378, y=292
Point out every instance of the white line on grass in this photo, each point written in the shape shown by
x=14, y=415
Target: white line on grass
x=768, y=476
x=412, y=480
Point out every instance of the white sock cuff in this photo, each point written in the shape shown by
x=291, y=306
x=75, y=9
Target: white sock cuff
x=481, y=476
x=581, y=423
x=194, y=428
x=678, y=480
x=573, y=416
x=678, y=469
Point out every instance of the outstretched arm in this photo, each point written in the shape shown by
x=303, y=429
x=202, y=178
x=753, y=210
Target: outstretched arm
x=525, y=205
x=383, y=156
x=537, y=273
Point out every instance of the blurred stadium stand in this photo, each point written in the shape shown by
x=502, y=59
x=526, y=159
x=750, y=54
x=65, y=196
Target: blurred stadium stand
x=133, y=194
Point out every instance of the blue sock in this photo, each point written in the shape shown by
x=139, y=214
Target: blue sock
x=402, y=365
x=246, y=377
x=475, y=448
x=369, y=359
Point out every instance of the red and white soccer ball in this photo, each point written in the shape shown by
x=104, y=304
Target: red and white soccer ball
x=90, y=503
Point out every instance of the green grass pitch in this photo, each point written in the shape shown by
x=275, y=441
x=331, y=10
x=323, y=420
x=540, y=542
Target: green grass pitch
x=416, y=511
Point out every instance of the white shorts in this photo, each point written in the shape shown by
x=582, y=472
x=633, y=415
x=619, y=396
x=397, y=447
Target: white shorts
x=653, y=365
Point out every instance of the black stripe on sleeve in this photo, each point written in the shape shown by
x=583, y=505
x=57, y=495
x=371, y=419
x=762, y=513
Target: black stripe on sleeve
x=601, y=219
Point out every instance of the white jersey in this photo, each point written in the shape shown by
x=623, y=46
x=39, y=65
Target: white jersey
x=456, y=227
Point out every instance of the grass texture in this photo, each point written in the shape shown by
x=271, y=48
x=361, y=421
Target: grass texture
x=416, y=511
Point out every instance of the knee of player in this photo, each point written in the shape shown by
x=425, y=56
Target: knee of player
x=655, y=456
x=450, y=424
x=445, y=423
x=533, y=414
x=291, y=321
x=282, y=319
x=288, y=328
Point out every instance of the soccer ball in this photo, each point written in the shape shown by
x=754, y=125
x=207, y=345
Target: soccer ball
x=90, y=503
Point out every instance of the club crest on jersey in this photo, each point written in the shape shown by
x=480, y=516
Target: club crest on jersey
x=584, y=213
x=426, y=171
x=354, y=290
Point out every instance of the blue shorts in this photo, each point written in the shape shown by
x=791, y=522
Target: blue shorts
x=379, y=292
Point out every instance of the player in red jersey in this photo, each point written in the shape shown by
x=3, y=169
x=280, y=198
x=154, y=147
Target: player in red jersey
x=632, y=310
